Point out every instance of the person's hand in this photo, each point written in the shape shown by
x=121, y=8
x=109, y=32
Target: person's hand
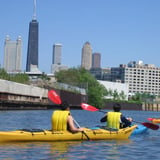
x=130, y=119
x=81, y=129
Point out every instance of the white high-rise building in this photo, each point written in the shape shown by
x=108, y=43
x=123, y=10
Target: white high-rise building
x=57, y=52
x=86, y=61
x=56, y=61
x=141, y=78
x=13, y=54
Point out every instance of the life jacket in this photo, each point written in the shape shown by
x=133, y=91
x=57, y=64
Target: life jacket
x=59, y=120
x=113, y=120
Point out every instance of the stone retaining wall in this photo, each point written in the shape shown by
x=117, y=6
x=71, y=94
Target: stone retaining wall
x=12, y=91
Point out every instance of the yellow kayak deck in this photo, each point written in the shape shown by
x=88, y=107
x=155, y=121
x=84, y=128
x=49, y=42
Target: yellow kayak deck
x=47, y=135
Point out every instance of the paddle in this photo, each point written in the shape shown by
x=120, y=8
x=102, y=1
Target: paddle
x=154, y=120
x=150, y=119
x=55, y=98
x=92, y=108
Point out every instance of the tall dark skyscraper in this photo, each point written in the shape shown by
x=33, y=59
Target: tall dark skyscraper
x=32, y=51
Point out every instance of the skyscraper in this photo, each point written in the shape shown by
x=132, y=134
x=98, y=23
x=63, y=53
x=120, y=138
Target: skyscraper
x=57, y=51
x=86, y=60
x=13, y=54
x=56, y=61
x=32, y=52
x=96, y=60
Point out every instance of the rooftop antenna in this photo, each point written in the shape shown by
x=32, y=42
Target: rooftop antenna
x=34, y=11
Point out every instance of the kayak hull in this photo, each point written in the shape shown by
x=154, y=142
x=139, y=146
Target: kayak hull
x=140, y=129
x=46, y=135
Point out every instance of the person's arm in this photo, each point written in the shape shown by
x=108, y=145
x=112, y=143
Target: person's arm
x=71, y=125
x=126, y=122
x=104, y=119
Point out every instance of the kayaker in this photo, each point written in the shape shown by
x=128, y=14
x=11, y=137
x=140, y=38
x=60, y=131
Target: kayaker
x=63, y=120
x=115, y=119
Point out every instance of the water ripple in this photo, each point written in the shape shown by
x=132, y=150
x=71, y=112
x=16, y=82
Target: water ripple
x=145, y=146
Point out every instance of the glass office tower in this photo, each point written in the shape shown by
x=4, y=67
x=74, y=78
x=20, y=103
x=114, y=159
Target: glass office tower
x=32, y=51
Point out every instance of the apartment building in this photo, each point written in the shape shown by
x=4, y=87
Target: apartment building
x=141, y=78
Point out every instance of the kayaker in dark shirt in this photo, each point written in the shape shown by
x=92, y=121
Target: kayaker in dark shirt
x=115, y=119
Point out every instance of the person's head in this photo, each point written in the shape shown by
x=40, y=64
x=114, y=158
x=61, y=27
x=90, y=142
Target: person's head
x=65, y=106
x=116, y=107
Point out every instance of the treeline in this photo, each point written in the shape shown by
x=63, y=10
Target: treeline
x=19, y=77
x=82, y=78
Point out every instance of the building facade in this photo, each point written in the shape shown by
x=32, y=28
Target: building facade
x=57, y=52
x=86, y=60
x=13, y=54
x=56, y=60
x=96, y=60
x=141, y=78
x=120, y=88
x=32, y=51
x=57, y=68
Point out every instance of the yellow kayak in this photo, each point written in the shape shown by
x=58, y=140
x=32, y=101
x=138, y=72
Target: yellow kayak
x=47, y=135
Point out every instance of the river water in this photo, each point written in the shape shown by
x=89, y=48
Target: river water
x=144, y=147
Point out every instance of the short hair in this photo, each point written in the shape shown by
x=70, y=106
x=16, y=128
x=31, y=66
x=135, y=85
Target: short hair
x=64, y=105
x=116, y=107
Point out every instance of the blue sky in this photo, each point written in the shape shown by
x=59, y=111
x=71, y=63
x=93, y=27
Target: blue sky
x=121, y=30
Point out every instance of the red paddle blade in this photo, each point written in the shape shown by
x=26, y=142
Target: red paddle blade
x=54, y=97
x=150, y=119
x=151, y=125
x=88, y=107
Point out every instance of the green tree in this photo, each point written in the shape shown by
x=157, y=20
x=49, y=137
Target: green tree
x=20, y=77
x=81, y=77
x=115, y=95
x=3, y=74
x=44, y=77
x=143, y=97
x=122, y=95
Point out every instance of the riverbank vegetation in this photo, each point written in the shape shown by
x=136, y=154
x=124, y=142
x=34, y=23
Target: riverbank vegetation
x=81, y=78
x=19, y=77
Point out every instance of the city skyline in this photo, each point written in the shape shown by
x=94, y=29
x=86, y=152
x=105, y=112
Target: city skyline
x=121, y=31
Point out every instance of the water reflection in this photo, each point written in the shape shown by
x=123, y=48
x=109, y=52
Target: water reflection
x=37, y=150
x=61, y=150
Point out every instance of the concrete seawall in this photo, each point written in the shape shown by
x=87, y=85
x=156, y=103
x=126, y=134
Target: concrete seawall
x=151, y=107
x=19, y=95
x=133, y=106
x=14, y=96
x=22, y=89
